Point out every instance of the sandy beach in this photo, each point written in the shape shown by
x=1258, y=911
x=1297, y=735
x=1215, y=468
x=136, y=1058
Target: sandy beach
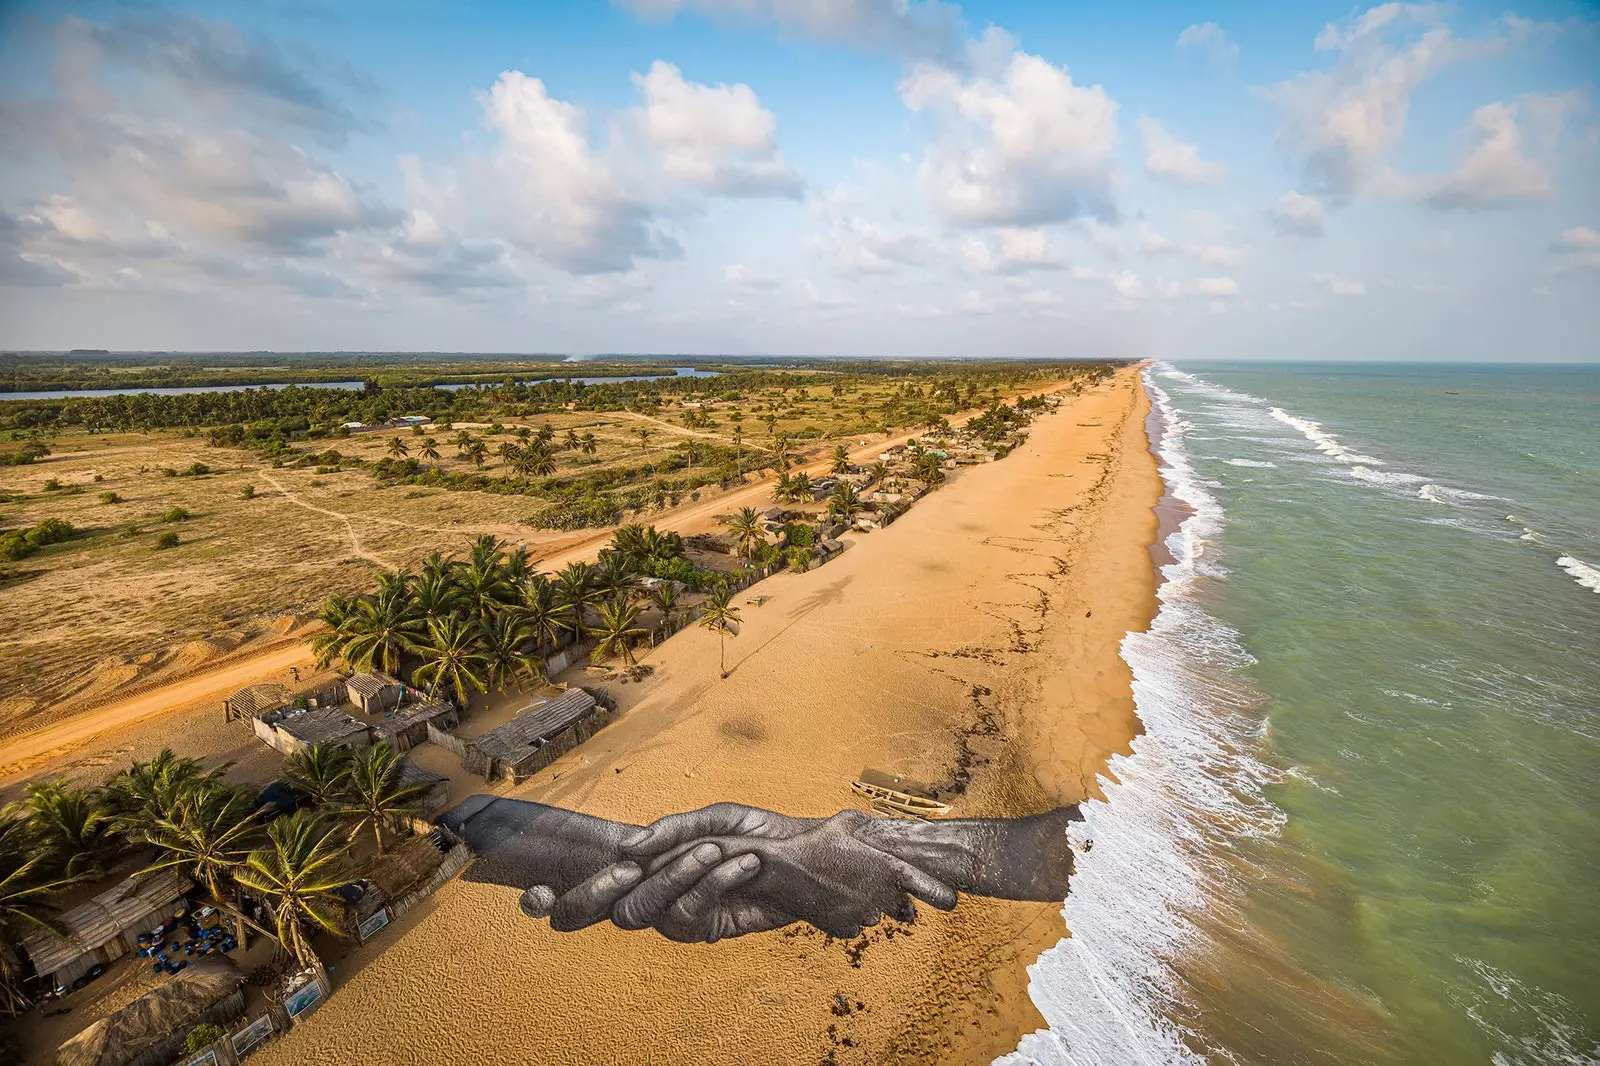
x=975, y=640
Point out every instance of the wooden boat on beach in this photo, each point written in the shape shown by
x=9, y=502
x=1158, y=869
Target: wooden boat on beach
x=893, y=801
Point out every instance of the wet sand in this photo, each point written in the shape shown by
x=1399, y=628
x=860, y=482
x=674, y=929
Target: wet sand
x=974, y=644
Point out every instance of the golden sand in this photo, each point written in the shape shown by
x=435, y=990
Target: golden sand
x=976, y=637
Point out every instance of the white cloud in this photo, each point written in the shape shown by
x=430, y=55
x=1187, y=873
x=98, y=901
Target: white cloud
x=714, y=138
x=1010, y=251
x=1577, y=248
x=855, y=245
x=1017, y=147
x=914, y=28
x=1341, y=123
x=1216, y=287
x=1497, y=172
x=1169, y=159
x=1211, y=39
x=1339, y=286
x=1297, y=215
x=744, y=277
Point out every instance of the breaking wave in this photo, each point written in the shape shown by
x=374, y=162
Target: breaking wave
x=1584, y=574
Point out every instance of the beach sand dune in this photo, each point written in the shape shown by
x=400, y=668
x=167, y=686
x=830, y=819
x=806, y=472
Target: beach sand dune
x=972, y=644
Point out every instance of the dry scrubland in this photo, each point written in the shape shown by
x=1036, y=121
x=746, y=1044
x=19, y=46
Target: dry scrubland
x=106, y=613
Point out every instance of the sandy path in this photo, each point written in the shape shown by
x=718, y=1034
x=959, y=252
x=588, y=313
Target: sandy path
x=978, y=634
x=26, y=751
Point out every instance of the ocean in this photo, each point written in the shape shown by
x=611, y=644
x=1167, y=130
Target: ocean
x=1363, y=822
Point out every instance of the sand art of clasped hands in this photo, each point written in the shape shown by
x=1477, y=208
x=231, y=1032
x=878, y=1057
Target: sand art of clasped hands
x=728, y=869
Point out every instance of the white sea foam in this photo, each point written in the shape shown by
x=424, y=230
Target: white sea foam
x=1250, y=462
x=1385, y=477
x=1586, y=575
x=1110, y=991
x=1325, y=442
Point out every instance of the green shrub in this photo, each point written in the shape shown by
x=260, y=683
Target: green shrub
x=248, y=492
x=167, y=471
x=110, y=497
x=175, y=514
x=197, y=469
x=800, y=534
x=52, y=485
x=201, y=1037
x=317, y=484
x=169, y=539
x=19, y=543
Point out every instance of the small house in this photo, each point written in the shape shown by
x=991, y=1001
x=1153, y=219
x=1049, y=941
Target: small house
x=537, y=736
x=153, y=1028
x=435, y=794
x=407, y=726
x=105, y=928
x=375, y=692
x=293, y=729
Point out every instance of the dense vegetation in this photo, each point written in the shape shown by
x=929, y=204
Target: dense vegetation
x=174, y=815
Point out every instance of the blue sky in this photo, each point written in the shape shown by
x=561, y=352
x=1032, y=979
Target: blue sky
x=856, y=177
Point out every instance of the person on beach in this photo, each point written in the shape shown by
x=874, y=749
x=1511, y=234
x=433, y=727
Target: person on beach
x=729, y=870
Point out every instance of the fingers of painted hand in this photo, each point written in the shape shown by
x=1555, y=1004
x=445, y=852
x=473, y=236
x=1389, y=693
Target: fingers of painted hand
x=919, y=883
x=645, y=905
x=694, y=915
x=719, y=819
x=537, y=901
x=592, y=900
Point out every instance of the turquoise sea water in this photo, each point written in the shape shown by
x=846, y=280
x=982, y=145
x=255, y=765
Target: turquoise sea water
x=1363, y=825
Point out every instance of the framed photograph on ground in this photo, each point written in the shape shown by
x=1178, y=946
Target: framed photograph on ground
x=303, y=998
x=207, y=1058
x=252, y=1036
x=372, y=923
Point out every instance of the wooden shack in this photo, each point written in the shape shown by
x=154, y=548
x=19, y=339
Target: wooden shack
x=540, y=733
x=293, y=729
x=375, y=692
x=407, y=726
x=150, y=1031
x=105, y=928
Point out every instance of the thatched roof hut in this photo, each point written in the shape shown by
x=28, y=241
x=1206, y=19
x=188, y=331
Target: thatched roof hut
x=256, y=700
x=537, y=735
x=201, y=992
x=374, y=692
x=105, y=928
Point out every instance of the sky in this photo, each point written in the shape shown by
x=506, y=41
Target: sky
x=905, y=178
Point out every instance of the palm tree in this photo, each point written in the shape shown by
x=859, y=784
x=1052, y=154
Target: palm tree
x=571, y=441
x=576, y=589
x=478, y=452
x=508, y=451
x=644, y=433
x=73, y=826
x=483, y=585
x=463, y=441
x=545, y=435
x=781, y=452
x=800, y=558
x=783, y=488
x=379, y=630
x=617, y=630
x=541, y=608
x=297, y=872
x=738, y=444
x=524, y=434
x=746, y=530
x=589, y=444
x=615, y=580
x=718, y=613
x=147, y=792
x=377, y=795
x=319, y=773
x=800, y=487
x=436, y=594
x=430, y=449
x=664, y=598
x=452, y=657
x=503, y=639
x=27, y=902
x=328, y=645
x=397, y=448
x=208, y=835
x=926, y=469
x=844, y=502
x=841, y=461
x=538, y=462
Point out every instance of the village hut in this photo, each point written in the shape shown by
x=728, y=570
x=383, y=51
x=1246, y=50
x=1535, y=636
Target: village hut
x=537, y=736
x=105, y=928
x=408, y=725
x=435, y=787
x=293, y=729
x=255, y=701
x=375, y=692
x=150, y=1030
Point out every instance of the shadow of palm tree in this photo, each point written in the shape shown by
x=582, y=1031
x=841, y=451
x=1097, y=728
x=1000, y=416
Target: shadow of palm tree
x=826, y=596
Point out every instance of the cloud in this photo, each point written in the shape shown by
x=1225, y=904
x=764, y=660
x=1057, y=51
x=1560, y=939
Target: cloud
x=912, y=28
x=744, y=277
x=1210, y=38
x=1341, y=123
x=563, y=201
x=1175, y=161
x=1015, y=146
x=1216, y=287
x=717, y=139
x=1011, y=251
x=1578, y=248
x=1297, y=215
x=1340, y=286
x=1497, y=172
